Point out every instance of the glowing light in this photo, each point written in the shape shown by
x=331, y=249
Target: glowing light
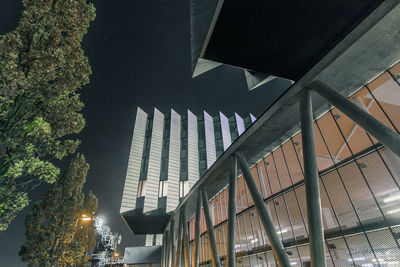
x=393, y=211
x=357, y=259
x=391, y=199
x=379, y=260
x=282, y=232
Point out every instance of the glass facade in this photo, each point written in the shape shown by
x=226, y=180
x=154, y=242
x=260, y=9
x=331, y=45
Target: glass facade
x=359, y=188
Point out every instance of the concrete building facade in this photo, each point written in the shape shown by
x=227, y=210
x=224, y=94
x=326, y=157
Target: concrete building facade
x=168, y=155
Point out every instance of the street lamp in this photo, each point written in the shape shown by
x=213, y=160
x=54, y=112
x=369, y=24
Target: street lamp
x=85, y=218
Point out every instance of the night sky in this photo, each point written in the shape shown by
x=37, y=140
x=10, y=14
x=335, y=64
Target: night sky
x=140, y=56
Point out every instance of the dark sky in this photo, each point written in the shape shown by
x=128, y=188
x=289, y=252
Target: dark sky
x=140, y=56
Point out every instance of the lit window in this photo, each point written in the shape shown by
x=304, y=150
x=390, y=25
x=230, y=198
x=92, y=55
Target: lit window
x=163, y=189
x=183, y=188
x=142, y=189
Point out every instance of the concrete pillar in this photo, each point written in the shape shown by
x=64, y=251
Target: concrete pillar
x=196, y=241
x=313, y=200
x=277, y=246
x=383, y=134
x=210, y=229
x=230, y=253
x=185, y=237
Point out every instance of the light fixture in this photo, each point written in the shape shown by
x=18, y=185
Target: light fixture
x=390, y=212
x=254, y=240
x=379, y=260
x=391, y=199
x=282, y=231
x=356, y=259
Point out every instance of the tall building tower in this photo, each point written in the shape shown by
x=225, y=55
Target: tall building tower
x=168, y=155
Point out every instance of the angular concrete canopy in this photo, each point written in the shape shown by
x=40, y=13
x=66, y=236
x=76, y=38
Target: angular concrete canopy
x=142, y=255
x=256, y=79
x=281, y=38
x=152, y=222
x=204, y=65
x=369, y=50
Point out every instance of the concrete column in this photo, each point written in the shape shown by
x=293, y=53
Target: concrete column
x=314, y=214
x=162, y=263
x=166, y=249
x=210, y=229
x=383, y=134
x=230, y=253
x=277, y=247
x=179, y=245
x=185, y=237
x=196, y=241
x=172, y=240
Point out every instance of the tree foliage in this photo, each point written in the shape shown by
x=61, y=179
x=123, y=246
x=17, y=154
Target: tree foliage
x=42, y=66
x=55, y=234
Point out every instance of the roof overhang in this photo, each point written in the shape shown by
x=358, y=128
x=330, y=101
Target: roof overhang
x=270, y=39
x=142, y=255
x=367, y=51
x=152, y=222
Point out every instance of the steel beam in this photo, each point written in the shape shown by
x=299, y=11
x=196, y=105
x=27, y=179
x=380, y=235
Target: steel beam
x=172, y=239
x=382, y=133
x=277, y=247
x=313, y=199
x=210, y=229
x=185, y=237
x=230, y=248
x=196, y=241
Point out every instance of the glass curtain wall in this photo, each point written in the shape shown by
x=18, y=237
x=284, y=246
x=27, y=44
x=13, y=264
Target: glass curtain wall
x=360, y=192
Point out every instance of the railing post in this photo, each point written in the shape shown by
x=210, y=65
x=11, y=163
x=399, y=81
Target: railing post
x=172, y=239
x=179, y=244
x=230, y=253
x=185, y=237
x=196, y=241
x=210, y=229
x=316, y=230
x=382, y=133
x=277, y=247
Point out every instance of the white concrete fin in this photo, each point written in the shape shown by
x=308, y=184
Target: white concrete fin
x=210, y=139
x=129, y=194
x=174, y=161
x=253, y=119
x=239, y=124
x=154, y=166
x=193, y=149
x=226, y=133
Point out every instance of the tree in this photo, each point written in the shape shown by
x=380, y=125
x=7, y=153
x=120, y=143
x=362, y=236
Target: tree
x=42, y=66
x=56, y=234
